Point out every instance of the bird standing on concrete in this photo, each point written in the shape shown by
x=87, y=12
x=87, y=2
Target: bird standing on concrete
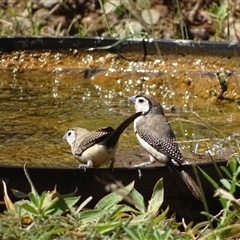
x=157, y=138
x=93, y=149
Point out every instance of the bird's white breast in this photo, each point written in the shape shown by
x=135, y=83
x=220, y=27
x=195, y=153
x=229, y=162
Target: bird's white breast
x=98, y=154
x=152, y=151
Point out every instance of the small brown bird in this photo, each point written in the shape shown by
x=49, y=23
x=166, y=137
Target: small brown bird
x=93, y=149
x=157, y=138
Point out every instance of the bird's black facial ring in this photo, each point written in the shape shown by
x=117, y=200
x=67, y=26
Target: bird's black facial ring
x=141, y=100
x=150, y=107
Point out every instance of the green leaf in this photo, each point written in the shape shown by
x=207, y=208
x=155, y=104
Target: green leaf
x=71, y=201
x=58, y=205
x=207, y=214
x=58, y=230
x=113, y=198
x=223, y=202
x=226, y=183
x=157, y=197
x=19, y=194
x=33, y=190
x=237, y=171
x=161, y=217
x=30, y=208
x=225, y=170
x=233, y=165
x=126, y=208
x=134, y=233
x=83, y=204
x=34, y=199
x=72, y=194
x=209, y=178
x=116, y=210
x=55, y=206
x=138, y=201
x=89, y=216
x=104, y=228
x=142, y=218
x=45, y=198
x=226, y=232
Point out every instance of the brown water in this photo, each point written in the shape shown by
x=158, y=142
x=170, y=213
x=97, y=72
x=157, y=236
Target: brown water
x=38, y=103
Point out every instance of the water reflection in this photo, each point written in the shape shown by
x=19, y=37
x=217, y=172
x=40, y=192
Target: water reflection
x=38, y=106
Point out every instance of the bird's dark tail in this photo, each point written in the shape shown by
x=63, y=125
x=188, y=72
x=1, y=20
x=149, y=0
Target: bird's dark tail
x=191, y=184
x=113, y=139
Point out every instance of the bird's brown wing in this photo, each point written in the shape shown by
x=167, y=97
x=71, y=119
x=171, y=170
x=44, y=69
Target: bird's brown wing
x=165, y=145
x=94, y=138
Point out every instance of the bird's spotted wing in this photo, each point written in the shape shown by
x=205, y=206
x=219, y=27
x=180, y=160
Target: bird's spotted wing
x=94, y=138
x=165, y=145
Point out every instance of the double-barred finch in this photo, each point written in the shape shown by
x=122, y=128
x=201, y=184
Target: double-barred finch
x=157, y=138
x=93, y=149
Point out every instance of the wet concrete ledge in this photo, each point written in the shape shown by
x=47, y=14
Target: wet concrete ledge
x=146, y=46
x=93, y=182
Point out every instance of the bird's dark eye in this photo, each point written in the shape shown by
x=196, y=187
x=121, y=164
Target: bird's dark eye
x=141, y=100
x=69, y=133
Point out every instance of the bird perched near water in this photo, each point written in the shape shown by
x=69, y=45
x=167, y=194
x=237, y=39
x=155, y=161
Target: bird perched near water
x=157, y=138
x=97, y=147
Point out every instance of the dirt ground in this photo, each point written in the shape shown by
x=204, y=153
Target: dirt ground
x=200, y=19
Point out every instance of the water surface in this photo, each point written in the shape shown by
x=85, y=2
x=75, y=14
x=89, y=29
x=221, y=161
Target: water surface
x=38, y=105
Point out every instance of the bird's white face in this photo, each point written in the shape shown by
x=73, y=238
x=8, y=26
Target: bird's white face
x=141, y=104
x=70, y=136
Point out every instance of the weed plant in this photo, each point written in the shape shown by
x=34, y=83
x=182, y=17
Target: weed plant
x=50, y=215
x=135, y=18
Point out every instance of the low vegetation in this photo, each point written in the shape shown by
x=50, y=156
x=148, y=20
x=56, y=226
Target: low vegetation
x=50, y=215
x=174, y=19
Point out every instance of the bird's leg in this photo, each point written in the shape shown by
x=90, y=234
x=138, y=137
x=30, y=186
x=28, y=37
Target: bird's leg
x=144, y=164
x=112, y=163
x=140, y=165
x=85, y=166
x=139, y=173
